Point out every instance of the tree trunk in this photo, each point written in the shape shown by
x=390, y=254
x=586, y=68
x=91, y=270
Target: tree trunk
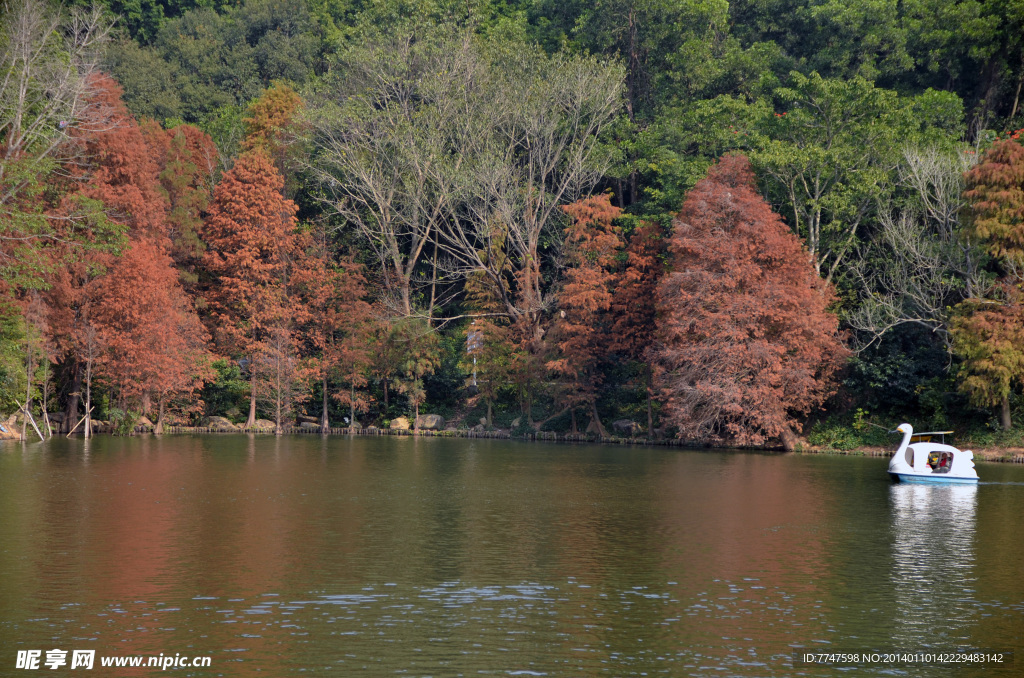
x=406, y=297
x=324, y=424
x=489, y=412
x=251, y=421
x=28, y=390
x=633, y=66
x=433, y=288
x=1004, y=414
x=650, y=398
x=352, y=403
x=46, y=389
x=788, y=439
x=74, y=398
x=159, y=428
x=572, y=413
x=1016, y=96
x=88, y=399
x=278, y=412
x=595, y=425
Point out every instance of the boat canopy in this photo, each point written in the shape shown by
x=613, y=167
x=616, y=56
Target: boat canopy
x=926, y=437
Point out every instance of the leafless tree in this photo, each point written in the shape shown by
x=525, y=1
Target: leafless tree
x=920, y=263
x=537, y=149
x=446, y=141
x=383, y=131
x=47, y=59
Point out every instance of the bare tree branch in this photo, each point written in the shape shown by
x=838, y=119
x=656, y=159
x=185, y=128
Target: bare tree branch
x=919, y=265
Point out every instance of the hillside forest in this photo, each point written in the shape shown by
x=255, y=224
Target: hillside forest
x=745, y=223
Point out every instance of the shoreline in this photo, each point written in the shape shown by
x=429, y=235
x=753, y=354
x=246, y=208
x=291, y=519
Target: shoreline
x=1001, y=455
x=1009, y=455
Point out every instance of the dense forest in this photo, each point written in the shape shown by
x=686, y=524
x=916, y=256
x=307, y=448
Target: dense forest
x=734, y=223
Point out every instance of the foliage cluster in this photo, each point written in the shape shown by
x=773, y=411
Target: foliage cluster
x=348, y=209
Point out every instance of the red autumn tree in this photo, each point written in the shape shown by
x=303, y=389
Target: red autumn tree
x=747, y=343
x=119, y=170
x=186, y=158
x=253, y=248
x=995, y=187
x=115, y=177
x=279, y=373
x=339, y=322
x=633, y=308
x=154, y=344
x=579, y=339
x=74, y=333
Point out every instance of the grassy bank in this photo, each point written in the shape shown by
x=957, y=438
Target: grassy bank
x=860, y=438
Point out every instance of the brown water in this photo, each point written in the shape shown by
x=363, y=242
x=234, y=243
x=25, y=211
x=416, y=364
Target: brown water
x=446, y=557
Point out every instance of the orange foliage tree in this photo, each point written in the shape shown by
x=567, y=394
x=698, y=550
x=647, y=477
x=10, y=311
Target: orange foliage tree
x=995, y=188
x=115, y=174
x=127, y=318
x=988, y=333
x=988, y=336
x=579, y=334
x=154, y=343
x=119, y=171
x=633, y=308
x=186, y=158
x=272, y=124
x=339, y=323
x=253, y=249
x=747, y=342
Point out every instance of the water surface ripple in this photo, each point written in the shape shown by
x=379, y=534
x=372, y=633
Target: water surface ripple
x=433, y=557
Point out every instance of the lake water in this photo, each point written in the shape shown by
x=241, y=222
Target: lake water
x=448, y=557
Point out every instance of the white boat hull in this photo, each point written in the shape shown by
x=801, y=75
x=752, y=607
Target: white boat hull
x=930, y=478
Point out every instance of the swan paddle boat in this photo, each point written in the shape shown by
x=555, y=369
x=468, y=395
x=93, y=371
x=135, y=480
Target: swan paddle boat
x=920, y=460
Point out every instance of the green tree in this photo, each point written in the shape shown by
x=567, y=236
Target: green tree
x=829, y=152
x=47, y=86
x=218, y=59
x=921, y=261
x=414, y=347
x=440, y=138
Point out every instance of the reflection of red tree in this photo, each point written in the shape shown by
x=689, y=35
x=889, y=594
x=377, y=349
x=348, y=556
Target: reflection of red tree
x=755, y=521
x=137, y=519
x=742, y=534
